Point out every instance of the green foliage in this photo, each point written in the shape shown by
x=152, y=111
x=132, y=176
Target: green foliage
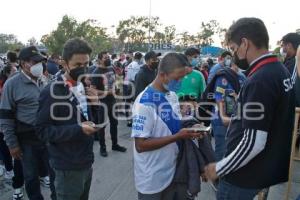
x=135, y=31
x=69, y=28
x=9, y=42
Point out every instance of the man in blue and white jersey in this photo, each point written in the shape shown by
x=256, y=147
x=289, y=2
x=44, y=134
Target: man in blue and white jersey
x=156, y=128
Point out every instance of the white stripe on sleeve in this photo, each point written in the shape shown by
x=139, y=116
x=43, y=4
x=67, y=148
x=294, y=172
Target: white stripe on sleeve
x=252, y=143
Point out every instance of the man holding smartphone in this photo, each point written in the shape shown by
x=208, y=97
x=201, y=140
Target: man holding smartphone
x=156, y=128
x=65, y=122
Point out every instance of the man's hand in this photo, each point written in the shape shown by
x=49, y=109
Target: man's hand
x=203, y=177
x=92, y=95
x=186, y=133
x=16, y=153
x=88, y=128
x=210, y=171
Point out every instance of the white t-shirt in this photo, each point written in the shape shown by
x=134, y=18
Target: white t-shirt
x=155, y=115
x=79, y=93
x=132, y=70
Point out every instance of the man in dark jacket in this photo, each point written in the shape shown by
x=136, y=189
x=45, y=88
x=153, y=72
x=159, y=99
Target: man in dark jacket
x=147, y=72
x=65, y=122
x=258, y=143
x=289, y=45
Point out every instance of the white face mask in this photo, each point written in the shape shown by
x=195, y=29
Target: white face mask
x=37, y=70
x=282, y=53
x=227, y=62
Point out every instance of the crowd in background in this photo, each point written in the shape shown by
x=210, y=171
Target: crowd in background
x=52, y=146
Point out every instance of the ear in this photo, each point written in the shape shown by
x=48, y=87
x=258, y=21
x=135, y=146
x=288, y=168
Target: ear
x=65, y=65
x=245, y=42
x=22, y=64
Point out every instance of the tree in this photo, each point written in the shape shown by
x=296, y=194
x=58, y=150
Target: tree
x=207, y=31
x=159, y=37
x=69, y=28
x=170, y=33
x=135, y=30
x=9, y=42
x=32, y=42
x=186, y=39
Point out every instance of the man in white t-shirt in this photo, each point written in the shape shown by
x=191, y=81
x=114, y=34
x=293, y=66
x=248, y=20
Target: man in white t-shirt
x=134, y=67
x=156, y=128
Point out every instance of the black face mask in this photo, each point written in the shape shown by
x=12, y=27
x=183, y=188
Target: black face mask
x=107, y=63
x=241, y=63
x=154, y=65
x=77, y=72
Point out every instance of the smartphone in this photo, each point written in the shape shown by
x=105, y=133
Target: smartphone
x=201, y=129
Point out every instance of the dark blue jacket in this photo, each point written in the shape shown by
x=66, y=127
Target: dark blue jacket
x=58, y=124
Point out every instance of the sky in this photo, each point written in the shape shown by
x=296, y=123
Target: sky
x=35, y=18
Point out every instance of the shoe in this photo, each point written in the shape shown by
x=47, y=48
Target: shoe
x=129, y=124
x=18, y=194
x=45, y=181
x=119, y=148
x=1, y=170
x=103, y=152
x=9, y=175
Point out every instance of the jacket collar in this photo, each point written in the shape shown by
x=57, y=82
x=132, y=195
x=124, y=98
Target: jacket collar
x=260, y=62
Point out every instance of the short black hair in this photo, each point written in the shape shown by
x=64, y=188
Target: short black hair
x=101, y=54
x=210, y=61
x=191, y=51
x=252, y=29
x=113, y=56
x=75, y=46
x=172, y=61
x=225, y=53
x=138, y=56
x=293, y=38
x=149, y=55
x=12, y=56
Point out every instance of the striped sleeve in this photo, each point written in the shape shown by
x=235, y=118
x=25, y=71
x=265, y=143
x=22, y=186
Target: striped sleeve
x=252, y=143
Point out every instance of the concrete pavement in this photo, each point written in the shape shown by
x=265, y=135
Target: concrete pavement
x=113, y=176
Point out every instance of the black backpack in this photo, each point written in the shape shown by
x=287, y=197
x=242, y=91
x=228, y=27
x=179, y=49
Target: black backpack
x=207, y=101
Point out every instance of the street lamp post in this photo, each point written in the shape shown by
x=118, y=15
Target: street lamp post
x=149, y=33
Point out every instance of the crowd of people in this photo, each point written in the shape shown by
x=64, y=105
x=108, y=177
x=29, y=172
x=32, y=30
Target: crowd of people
x=229, y=123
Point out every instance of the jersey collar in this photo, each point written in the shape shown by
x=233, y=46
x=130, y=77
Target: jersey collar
x=260, y=62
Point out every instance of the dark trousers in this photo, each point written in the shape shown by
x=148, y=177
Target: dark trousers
x=220, y=144
x=127, y=90
x=10, y=164
x=113, y=127
x=73, y=184
x=174, y=191
x=32, y=156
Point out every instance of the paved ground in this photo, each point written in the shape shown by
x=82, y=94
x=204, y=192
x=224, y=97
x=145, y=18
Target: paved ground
x=113, y=176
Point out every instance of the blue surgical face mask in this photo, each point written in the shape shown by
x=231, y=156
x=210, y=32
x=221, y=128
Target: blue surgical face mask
x=194, y=62
x=173, y=85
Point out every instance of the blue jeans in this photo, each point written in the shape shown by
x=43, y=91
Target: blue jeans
x=298, y=198
x=220, y=146
x=226, y=191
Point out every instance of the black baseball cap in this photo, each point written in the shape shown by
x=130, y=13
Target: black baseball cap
x=151, y=54
x=31, y=53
